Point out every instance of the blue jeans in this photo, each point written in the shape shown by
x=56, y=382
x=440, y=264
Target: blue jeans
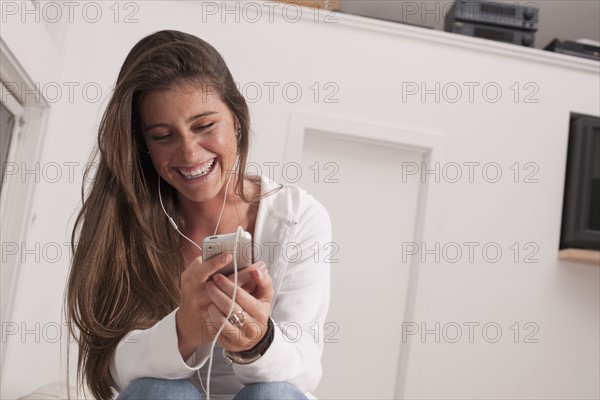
x=182, y=389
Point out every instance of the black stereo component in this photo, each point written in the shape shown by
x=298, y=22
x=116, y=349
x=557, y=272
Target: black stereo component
x=506, y=15
x=515, y=36
x=574, y=49
x=510, y=23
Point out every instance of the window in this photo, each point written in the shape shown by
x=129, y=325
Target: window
x=8, y=127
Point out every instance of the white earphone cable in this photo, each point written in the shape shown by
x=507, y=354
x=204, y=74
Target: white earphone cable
x=235, y=273
x=235, y=281
x=172, y=222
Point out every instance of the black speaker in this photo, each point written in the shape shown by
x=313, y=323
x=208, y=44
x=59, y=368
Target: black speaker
x=581, y=204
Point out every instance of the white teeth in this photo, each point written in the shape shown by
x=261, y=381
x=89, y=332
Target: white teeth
x=195, y=173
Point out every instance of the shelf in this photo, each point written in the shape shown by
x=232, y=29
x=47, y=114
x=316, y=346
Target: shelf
x=580, y=255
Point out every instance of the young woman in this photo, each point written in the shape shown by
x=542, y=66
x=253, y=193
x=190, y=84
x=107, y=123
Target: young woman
x=145, y=308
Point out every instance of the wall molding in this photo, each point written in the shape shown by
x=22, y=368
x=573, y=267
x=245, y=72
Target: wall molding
x=444, y=38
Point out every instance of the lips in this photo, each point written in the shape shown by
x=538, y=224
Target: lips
x=197, y=171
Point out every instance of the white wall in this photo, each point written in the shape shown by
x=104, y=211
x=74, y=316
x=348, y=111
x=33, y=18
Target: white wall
x=370, y=63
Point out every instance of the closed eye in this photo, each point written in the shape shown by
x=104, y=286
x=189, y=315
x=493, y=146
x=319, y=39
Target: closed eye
x=204, y=127
x=160, y=138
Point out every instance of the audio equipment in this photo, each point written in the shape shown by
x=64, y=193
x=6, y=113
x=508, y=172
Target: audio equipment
x=510, y=23
x=574, y=49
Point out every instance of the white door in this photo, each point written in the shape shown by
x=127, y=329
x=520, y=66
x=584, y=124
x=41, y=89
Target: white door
x=373, y=210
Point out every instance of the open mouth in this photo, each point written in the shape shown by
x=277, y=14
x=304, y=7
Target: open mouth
x=200, y=171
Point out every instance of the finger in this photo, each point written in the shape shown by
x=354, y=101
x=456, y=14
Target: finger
x=220, y=299
x=247, y=274
x=245, y=300
x=203, y=270
x=217, y=317
x=264, y=284
x=250, y=287
x=244, y=276
x=230, y=331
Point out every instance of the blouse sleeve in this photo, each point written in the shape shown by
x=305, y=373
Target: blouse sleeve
x=153, y=353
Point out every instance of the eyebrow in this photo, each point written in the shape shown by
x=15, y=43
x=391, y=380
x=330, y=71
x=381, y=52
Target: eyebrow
x=193, y=118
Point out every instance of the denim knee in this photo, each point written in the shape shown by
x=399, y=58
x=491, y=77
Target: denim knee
x=270, y=391
x=163, y=389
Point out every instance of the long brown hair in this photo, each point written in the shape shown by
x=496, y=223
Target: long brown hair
x=126, y=264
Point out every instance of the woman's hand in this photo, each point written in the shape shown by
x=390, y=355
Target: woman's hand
x=253, y=296
x=246, y=279
x=194, y=325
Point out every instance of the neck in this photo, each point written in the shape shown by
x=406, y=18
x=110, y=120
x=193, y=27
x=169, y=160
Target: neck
x=203, y=217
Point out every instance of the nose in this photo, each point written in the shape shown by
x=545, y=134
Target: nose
x=189, y=148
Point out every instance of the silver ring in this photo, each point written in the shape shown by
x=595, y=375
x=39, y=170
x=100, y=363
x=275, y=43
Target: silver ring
x=238, y=319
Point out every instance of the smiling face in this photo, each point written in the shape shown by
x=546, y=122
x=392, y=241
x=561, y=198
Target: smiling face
x=190, y=135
